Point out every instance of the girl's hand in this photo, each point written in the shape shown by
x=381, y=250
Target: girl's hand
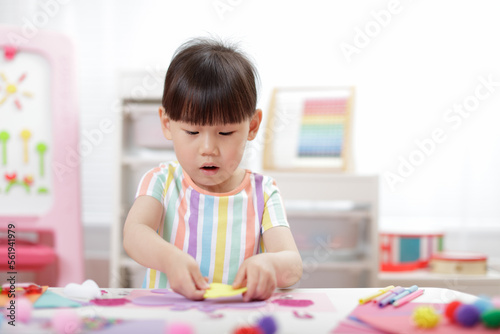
x=257, y=273
x=185, y=277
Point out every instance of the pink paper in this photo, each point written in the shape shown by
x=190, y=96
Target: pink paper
x=318, y=302
x=180, y=303
x=293, y=302
x=109, y=301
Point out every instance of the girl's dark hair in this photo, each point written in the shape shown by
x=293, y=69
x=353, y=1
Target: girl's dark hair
x=210, y=83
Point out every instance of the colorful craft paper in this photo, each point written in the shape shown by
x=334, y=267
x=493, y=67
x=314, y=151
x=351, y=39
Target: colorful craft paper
x=218, y=290
x=373, y=319
x=33, y=297
x=53, y=300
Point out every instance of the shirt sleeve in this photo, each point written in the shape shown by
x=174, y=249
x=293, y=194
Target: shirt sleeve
x=274, y=211
x=153, y=184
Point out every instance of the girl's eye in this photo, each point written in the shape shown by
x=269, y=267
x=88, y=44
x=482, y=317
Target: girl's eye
x=192, y=133
x=226, y=133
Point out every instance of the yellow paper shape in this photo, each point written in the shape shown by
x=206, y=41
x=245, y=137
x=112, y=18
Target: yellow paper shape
x=218, y=290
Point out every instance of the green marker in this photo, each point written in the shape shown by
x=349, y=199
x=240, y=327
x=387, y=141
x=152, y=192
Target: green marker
x=4, y=137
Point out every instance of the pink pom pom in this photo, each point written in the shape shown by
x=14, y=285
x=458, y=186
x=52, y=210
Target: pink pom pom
x=66, y=322
x=178, y=328
x=24, y=308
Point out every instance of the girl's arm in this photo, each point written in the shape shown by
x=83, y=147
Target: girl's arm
x=143, y=244
x=280, y=266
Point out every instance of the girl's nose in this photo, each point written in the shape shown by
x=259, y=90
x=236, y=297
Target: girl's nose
x=208, y=145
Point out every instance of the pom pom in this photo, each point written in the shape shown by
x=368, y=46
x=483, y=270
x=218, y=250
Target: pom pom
x=467, y=315
x=66, y=321
x=491, y=318
x=483, y=305
x=248, y=330
x=425, y=317
x=268, y=325
x=449, y=312
x=178, y=328
x=24, y=309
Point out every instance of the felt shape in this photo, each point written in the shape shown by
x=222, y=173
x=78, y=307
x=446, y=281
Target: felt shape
x=293, y=302
x=181, y=303
x=218, y=290
x=305, y=315
x=161, y=291
x=109, y=301
x=28, y=294
x=53, y=300
x=87, y=290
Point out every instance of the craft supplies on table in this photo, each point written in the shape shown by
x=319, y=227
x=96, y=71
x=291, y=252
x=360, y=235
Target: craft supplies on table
x=291, y=311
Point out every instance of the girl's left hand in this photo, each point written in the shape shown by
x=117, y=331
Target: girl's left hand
x=257, y=273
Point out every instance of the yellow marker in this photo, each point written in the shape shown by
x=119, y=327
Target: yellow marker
x=375, y=295
x=218, y=290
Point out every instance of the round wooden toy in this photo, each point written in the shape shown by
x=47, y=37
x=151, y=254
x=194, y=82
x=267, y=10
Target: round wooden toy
x=459, y=263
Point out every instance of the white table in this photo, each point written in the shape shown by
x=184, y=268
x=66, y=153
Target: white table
x=343, y=300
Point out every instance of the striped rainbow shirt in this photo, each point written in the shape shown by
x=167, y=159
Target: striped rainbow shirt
x=219, y=230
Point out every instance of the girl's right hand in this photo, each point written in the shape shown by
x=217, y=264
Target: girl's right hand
x=185, y=277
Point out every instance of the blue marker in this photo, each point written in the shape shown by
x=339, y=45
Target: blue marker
x=411, y=289
x=395, y=292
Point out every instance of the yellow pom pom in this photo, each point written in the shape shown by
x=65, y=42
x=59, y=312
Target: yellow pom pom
x=425, y=317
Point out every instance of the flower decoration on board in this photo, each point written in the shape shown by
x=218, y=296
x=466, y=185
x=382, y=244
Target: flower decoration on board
x=12, y=180
x=12, y=90
x=9, y=52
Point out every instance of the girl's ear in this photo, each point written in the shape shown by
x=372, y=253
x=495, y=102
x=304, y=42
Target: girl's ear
x=254, y=124
x=165, y=123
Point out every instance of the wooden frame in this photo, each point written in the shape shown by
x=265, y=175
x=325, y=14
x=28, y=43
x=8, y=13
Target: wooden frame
x=309, y=129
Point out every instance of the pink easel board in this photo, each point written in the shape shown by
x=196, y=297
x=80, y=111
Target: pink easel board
x=39, y=160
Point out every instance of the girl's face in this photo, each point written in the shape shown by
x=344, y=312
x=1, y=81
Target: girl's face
x=210, y=155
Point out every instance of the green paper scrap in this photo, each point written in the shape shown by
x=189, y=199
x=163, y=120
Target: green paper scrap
x=53, y=300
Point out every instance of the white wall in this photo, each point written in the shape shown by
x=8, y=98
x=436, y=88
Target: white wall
x=422, y=61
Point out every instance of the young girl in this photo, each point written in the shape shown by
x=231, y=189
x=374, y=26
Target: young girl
x=204, y=219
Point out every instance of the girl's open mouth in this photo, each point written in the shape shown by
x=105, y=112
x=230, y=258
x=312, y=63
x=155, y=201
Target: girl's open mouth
x=209, y=170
